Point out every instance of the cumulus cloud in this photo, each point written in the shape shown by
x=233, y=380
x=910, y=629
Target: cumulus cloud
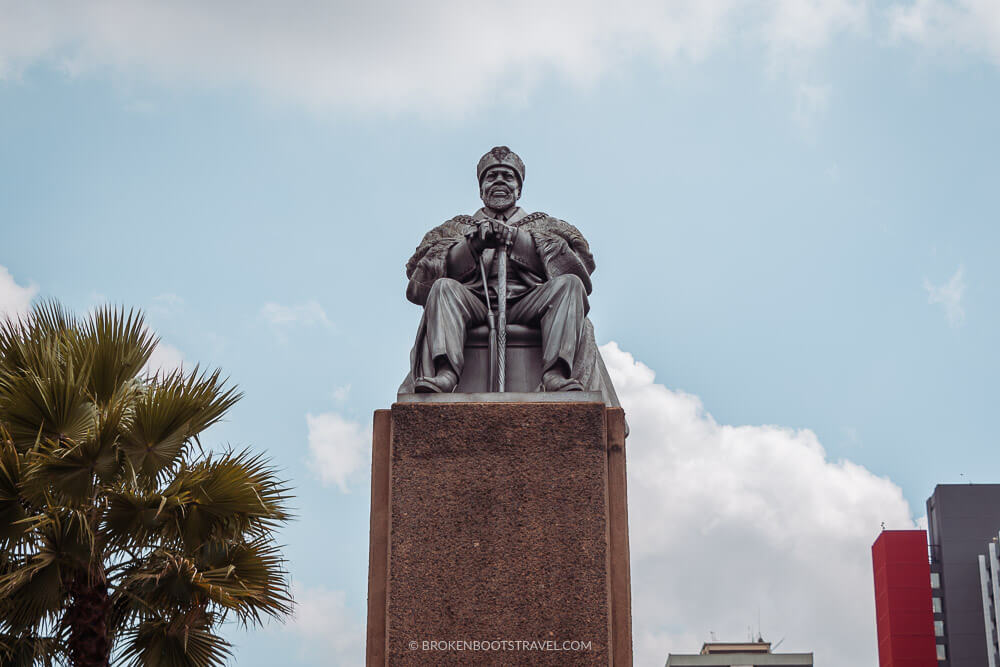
x=15, y=300
x=969, y=26
x=329, y=628
x=440, y=56
x=949, y=296
x=165, y=359
x=338, y=447
x=728, y=520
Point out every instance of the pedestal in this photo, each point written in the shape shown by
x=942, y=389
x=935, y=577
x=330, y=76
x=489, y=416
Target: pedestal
x=499, y=533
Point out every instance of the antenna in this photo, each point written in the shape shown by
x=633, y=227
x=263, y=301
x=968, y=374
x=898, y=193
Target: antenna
x=778, y=644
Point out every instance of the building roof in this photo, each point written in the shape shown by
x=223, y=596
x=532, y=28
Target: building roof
x=761, y=646
x=731, y=659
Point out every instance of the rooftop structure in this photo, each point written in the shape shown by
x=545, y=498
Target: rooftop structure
x=739, y=654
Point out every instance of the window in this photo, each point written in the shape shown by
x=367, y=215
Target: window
x=936, y=605
x=935, y=580
x=940, y=652
x=939, y=628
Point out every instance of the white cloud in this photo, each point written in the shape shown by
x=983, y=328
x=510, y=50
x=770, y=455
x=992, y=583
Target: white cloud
x=164, y=360
x=329, y=628
x=728, y=520
x=15, y=300
x=810, y=24
x=307, y=313
x=439, y=56
x=964, y=26
x=338, y=447
x=949, y=296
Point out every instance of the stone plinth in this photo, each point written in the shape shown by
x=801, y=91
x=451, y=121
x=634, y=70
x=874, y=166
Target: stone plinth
x=491, y=523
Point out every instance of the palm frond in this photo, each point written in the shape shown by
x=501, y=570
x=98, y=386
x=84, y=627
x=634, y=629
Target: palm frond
x=169, y=413
x=46, y=398
x=169, y=580
x=46, y=322
x=68, y=534
x=50, y=318
x=118, y=345
x=132, y=517
x=184, y=641
x=12, y=505
x=28, y=649
x=252, y=576
x=31, y=589
x=60, y=471
x=231, y=497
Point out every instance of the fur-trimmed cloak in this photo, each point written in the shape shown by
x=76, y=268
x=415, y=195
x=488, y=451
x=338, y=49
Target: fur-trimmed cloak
x=561, y=248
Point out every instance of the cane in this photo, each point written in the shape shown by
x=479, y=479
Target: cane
x=491, y=321
x=502, y=316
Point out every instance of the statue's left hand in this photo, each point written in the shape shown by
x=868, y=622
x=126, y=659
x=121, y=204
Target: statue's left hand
x=503, y=233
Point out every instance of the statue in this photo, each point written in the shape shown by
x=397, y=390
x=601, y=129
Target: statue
x=502, y=263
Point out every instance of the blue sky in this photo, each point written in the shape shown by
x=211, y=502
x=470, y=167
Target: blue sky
x=793, y=207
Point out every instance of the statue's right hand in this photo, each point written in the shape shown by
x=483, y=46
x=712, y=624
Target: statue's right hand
x=481, y=237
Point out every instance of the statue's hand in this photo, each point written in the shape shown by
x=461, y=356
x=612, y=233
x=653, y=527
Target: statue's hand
x=481, y=236
x=503, y=233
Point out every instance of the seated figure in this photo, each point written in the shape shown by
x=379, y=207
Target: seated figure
x=454, y=274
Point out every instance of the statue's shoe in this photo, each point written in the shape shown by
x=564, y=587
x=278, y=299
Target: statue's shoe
x=553, y=380
x=441, y=383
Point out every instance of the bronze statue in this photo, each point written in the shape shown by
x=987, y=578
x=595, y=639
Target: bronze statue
x=532, y=268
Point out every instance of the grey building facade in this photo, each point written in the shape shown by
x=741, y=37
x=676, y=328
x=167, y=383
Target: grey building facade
x=961, y=520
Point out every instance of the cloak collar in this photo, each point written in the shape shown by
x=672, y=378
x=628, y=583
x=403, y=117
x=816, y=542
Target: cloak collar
x=514, y=217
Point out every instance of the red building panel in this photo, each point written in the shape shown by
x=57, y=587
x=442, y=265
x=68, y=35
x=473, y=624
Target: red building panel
x=903, y=613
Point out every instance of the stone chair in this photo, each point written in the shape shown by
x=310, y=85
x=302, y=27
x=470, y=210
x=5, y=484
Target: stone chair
x=524, y=359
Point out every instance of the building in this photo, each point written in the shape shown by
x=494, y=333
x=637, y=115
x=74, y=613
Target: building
x=962, y=520
x=989, y=578
x=736, y=654
x=903, y=607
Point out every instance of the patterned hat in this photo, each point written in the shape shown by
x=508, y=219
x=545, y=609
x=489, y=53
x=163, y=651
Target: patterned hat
x=500, y=156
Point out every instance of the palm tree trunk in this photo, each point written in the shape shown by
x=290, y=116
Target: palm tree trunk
x=89, y=644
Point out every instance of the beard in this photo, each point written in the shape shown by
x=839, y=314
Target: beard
x=499, y=199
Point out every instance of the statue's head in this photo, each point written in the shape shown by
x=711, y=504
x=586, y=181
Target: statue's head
x=501, y=173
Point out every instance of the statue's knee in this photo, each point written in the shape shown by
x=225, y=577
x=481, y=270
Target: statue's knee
x=444, y=287
x=569, y=282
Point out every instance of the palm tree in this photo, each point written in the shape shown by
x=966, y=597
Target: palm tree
x=118, y=534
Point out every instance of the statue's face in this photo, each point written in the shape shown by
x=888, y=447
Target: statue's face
x=499, y=188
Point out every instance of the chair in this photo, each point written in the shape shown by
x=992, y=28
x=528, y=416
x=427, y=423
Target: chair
x=524, y=359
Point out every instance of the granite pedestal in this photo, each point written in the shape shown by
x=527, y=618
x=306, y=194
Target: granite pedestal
x=499, y=532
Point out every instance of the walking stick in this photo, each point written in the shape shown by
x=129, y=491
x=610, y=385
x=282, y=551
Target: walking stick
x=491, y=321
x=502, y=316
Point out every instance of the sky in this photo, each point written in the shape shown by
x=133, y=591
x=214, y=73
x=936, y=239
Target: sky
x=792, y=205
